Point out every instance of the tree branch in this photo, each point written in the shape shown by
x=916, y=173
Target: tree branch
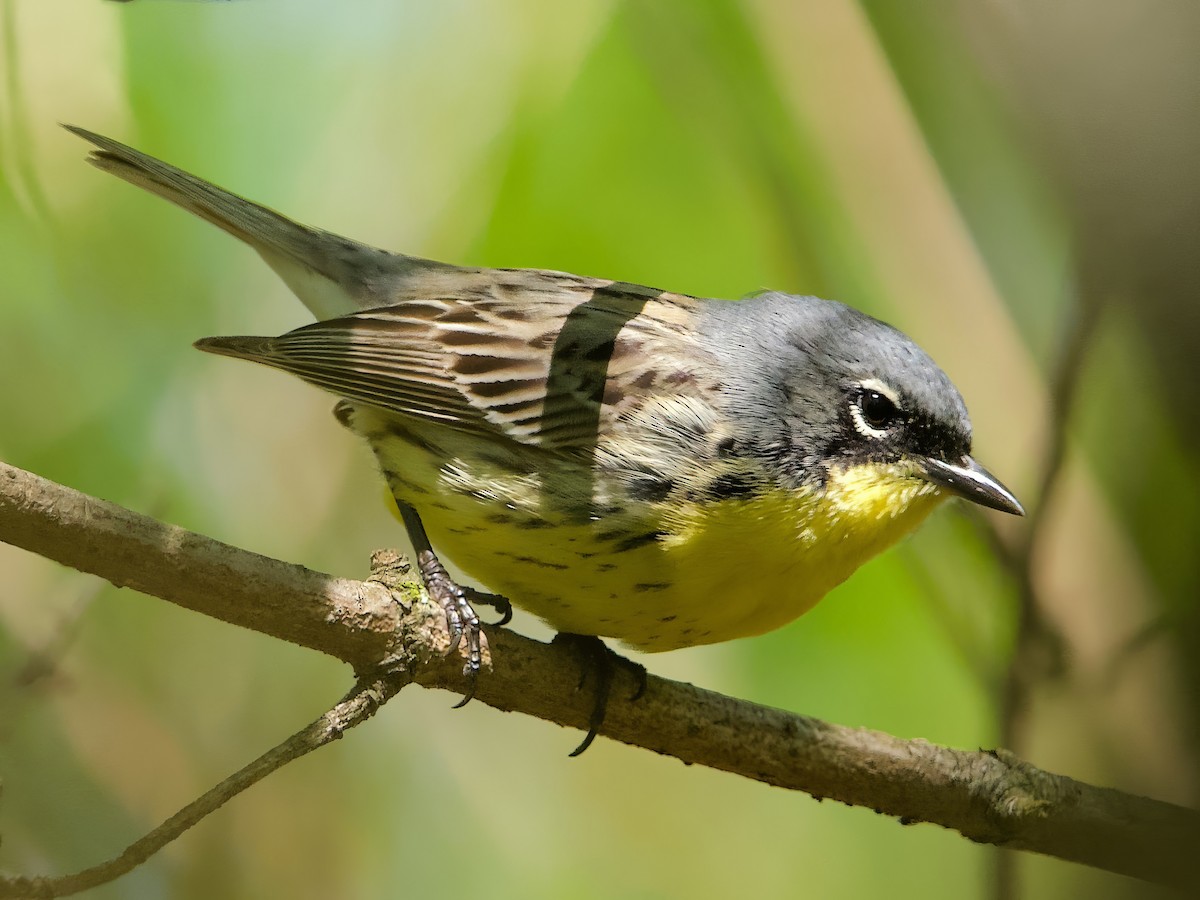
x=351, y=620
x=989, y=797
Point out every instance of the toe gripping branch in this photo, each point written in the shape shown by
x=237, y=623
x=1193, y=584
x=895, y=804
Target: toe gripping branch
x=455, y=600
x=596, y=657
x=461, y=619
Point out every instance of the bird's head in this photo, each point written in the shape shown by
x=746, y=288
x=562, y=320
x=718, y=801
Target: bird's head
x=848, y=404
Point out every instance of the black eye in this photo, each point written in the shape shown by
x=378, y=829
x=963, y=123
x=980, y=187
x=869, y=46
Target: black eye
x=878, y=411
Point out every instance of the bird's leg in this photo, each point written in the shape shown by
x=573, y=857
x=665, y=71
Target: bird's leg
x=455, y=600
x=597, y=656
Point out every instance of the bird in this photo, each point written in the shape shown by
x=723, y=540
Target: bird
x=621, y=461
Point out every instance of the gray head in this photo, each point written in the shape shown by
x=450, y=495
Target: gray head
x=828, y=386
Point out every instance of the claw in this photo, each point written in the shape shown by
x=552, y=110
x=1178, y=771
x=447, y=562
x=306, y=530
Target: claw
x=501, y=604
x=596, y=655
x=469, y=695
x=639, y=672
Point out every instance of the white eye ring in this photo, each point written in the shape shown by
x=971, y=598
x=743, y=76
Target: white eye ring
x=857, y=414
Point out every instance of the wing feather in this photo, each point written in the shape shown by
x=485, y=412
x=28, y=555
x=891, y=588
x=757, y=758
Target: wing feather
x=540, y=358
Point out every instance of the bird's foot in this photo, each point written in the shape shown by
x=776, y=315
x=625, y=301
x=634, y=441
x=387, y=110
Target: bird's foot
x=596, y=656
x=461, y=619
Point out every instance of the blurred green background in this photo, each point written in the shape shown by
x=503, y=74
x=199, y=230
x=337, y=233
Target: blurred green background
x=985, y=176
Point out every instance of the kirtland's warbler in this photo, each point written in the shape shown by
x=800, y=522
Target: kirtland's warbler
x=621, y=461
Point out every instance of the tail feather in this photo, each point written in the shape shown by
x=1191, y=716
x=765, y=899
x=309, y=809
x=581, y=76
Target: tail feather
x=239, y=347
x=332, y=275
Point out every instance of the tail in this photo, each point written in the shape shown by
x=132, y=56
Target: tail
x=333, y=276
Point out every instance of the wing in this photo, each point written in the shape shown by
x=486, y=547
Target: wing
x=540, y=358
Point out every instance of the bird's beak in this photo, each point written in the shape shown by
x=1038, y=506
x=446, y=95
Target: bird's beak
x=972, y=481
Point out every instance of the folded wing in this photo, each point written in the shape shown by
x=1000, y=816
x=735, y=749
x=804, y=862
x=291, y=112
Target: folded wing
x=540, y=358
